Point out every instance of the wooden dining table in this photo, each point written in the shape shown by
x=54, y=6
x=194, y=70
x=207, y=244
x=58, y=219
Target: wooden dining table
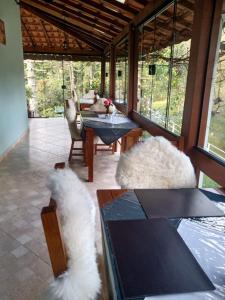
x=205, y=239
x=93, y=124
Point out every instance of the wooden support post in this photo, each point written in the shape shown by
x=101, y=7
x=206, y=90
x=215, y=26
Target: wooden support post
x=112, y=72
x=210, y=70
x=103, y=76
x=197, y=72
x=133, y=68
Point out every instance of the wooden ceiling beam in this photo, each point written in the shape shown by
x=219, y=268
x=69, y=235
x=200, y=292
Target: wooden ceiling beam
x=45, y=33
x=50, y=50
x=187, y=5
x=142, y=2
x=179, y=20
x=63, y=24
x=62, y=10
x=124, y=7
x=28, y=33
x=81, y=8
x=149, y=10
x=106, y=10
x=59, y=57
x=79, y=44
x=91, y=36
x=61, y=14
x=95, y=22
x=64, y=27
x=65, y=38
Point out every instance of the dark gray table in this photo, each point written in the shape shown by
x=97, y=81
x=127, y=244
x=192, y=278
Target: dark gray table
x=205, y=237
x=109, y=132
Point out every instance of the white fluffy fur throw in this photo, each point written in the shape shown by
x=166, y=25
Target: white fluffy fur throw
x=77, y=214
x=155, y=164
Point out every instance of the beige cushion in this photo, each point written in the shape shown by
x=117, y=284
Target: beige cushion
x=74, y=131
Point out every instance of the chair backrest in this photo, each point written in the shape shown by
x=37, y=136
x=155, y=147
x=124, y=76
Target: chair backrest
x=72, y=284
x=130, y=139
x=155, y=163
x=52, y=230
x=70, y=111
x=76, y=100
x=76, y=207
x=55, y=243
x=71, y=117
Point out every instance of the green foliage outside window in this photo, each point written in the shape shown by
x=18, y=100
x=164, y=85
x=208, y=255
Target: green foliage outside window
x=156, y=101
x=44, y=81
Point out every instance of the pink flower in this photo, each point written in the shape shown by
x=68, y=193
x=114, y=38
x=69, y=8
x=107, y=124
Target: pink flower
x=107, y=102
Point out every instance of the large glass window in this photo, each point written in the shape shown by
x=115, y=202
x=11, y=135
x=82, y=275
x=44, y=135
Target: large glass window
x=87, y=76
x=164, y=49
x=207, y=182
x=215, y=133
x=48, y=83
x=121, y=84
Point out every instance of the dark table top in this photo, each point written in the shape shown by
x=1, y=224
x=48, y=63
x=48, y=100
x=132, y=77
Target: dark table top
x=108, y=128
x=176, y=203
x=205, y=237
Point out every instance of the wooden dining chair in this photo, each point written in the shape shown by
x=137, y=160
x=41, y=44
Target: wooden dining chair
x=153, y=164
x=56, y=245
x=71, y=116
x=99, y=147
x=130, y=139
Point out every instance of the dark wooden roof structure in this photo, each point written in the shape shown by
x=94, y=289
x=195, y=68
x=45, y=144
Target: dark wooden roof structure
x=84, y=29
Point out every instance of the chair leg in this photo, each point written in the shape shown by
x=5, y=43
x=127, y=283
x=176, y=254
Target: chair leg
x=114, y=147
x=71, y=150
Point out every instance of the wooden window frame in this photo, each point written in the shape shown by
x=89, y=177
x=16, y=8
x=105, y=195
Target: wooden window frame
x=147, y=124
x=103, y=61
x=204, y=161
x=106, y=58
x=120, y=106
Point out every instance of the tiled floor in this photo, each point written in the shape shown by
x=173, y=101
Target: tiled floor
x=25, y=269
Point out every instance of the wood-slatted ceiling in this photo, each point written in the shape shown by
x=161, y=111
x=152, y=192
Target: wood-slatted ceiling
x=81, y=28
x=164, y=31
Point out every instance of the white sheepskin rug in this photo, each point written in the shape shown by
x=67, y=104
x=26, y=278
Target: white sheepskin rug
x=155, y=164
x=77, y=214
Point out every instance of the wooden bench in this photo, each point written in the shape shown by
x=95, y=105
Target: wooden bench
x=56, y=247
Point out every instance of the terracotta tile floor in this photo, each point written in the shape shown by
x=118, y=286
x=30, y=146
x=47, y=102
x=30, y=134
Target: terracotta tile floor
x=24, y=262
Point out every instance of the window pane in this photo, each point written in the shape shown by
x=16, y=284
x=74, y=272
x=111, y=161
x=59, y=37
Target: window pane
x=215, y=133
x=178, y=85
x=48, y=83
x=207, y=182
x=164, y=47
x=121, y=87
